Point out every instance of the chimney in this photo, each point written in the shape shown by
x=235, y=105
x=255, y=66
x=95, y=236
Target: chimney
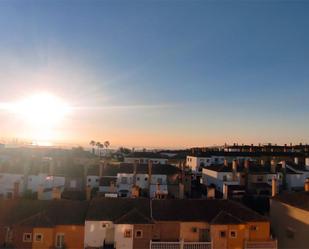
x=16, y=190
x=181, y=190
x=225, y=191
x=56, y=193
x=149, y=175
x=307, y=185
x=273, y=165
x=112, y=187
x=246, y=164
x=134, y=172
x=211, y=192
x=234, y=170
x=51, y=167
x=296, y=160
x=274, y=187
x=88, y=193
x=307, y=163
x=40, y=192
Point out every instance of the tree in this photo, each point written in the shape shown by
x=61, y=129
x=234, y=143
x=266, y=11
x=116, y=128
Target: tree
x=92, y=143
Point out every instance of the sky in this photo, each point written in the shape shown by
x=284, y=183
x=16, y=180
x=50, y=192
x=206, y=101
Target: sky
x=166, y=74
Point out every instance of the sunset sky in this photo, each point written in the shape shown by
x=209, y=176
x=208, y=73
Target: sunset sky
x=155, y=73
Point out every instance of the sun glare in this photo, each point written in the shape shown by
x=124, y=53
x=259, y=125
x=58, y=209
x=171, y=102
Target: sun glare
x=41, y=113
x=41, y=109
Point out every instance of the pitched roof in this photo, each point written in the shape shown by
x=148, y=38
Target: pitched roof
x=159, y=169
x=38, y=220
x=201, y=210
x=106, y=181
x=295, y=199
x=133, y=217
x=224, y=217
x=60, y=212
x=112, y=209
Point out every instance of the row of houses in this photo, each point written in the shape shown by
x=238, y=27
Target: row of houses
x=132, y=223
x=121, y=179
x=254, y=178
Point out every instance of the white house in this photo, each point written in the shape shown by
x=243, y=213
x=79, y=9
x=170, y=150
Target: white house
x=110, y=222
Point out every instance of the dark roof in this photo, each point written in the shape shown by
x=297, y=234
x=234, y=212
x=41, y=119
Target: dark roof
x=106, y=180
x=119, y=209
x=73, y=195
x=162, y=169
x=134, y=217
x=142, y=154
x=201, y=210
x=295, y=199
x=224, y=217
x=253, y=168
x=38, y=220
x=60, y=212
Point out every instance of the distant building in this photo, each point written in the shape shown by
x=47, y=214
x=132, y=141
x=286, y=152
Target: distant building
x=145, y=157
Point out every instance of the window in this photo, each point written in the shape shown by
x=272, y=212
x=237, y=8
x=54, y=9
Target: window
x=137, y=178
x=146, y=179
x=253, y=228
x=289, y=233
x=27, y=237
x=59, y=240
x=105, y=225
x=89, y=179
x=159, y=181
x=139, y=234
x=96, y=180
x=194, y=230
x=233, y=234
x=38, y=237
x=127, y=233
x=222, y=234
x=224, y=178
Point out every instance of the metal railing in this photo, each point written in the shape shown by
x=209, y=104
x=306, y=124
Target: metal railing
x=180, y=245
x=268, y=244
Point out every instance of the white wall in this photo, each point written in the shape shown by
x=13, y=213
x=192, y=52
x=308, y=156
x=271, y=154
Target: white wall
x=34, y=181
x=93, y=181
x=95, y=233
x=219, y=178
x=121, y=241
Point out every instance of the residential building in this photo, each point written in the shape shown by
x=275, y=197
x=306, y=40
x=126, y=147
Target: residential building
x=43, y=224
x=289, y=215
x=143, y=223
x=152, y=180
x=144, y=157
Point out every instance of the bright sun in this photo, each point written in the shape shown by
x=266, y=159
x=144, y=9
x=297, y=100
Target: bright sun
x=41, y=113
x=41, y=109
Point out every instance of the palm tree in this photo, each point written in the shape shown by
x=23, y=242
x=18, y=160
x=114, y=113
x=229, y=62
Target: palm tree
x=92, y=143
x=98, y=144
x=106, y=145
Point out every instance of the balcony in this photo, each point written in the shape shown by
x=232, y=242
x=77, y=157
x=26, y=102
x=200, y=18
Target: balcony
x=269, y=244
x=180, y=245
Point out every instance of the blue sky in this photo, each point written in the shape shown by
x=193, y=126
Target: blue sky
x=162, y=73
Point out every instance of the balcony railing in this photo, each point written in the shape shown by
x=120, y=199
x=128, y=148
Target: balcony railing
x=268, y=244
x=180, y=245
